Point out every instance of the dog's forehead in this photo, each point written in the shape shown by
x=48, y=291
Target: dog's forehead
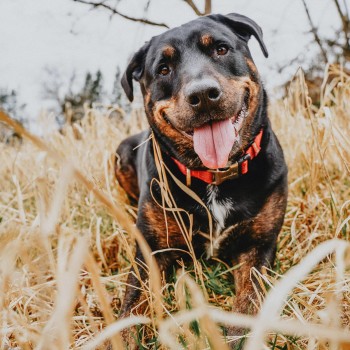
x=189, y=32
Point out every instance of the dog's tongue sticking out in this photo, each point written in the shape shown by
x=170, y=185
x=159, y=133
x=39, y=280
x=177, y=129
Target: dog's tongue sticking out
x=213, y=143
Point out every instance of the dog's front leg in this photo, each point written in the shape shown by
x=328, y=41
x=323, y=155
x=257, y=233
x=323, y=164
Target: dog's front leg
x=256, y=256
x=135, y=301
x=246, y=285
x=255, y=247
x=161, y=233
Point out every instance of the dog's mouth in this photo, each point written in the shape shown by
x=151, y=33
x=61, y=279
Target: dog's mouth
x=236, y=121
x=213, y=142
x=214, y=139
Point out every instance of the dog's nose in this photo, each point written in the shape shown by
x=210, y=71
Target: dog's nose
x=205, y=93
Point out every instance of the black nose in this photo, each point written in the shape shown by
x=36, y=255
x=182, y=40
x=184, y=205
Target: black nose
x=201, y=94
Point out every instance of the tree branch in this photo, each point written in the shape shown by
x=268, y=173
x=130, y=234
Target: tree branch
x=207, y=9
x=194, y=7
x=315, y=33
x=345, y=21
x=116, y=12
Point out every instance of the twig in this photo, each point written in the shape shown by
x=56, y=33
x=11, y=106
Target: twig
x=345, y=21
x=315, y=32
x=207, y=8
x=194, y=7
x=116, y=12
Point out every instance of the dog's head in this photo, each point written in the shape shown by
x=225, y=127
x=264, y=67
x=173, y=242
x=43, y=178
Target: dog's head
x=200, y=87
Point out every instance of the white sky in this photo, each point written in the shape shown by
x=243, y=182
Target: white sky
x=71, y=37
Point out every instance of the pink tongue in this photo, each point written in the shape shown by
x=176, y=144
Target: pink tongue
x=213, y=143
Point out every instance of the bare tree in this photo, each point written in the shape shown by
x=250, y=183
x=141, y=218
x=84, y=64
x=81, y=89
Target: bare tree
x=344, y=16
x=53, y=84
x=114, y=11
x=315, y=34
x=70, y=100
x=333, y=50
x=9, y=103
x=105, y=4
x=336, y=48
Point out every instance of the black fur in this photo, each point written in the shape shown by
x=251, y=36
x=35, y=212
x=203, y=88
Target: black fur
x=255, y=201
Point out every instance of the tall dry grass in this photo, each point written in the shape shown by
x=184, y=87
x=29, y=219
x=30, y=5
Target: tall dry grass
x=67, y=241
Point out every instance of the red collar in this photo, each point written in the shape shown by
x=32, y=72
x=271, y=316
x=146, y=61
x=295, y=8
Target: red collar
x=216, y=177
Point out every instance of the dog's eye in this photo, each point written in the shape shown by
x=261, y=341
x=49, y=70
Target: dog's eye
x=163, y=70
x=222, y=49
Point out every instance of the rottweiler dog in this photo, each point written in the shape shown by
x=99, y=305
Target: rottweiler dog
x=207, y=110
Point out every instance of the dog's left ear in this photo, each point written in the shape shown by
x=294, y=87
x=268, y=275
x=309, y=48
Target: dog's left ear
x=245, y=28
x=134, y=70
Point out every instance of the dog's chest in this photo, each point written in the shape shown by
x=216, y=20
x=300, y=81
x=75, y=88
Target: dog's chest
x=220, y=208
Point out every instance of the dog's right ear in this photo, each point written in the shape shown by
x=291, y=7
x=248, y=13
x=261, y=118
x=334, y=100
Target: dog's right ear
x=134, y=71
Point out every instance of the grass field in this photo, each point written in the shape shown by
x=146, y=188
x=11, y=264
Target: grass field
x=67, y=240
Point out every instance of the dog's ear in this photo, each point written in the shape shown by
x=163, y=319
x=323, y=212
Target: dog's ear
x=134, y=70
x=245, y=28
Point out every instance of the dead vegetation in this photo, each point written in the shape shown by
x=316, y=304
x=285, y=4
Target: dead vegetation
x=67, y=241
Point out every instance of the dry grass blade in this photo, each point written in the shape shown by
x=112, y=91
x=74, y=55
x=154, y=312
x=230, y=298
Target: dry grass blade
x=113, y=329
x=119, y=215
x=274, y=301
x=102, y=297
x=71, y=253
x=268, y=319
x=59, y=214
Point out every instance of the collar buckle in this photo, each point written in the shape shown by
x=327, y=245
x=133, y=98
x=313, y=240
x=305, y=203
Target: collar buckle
x=219, y=176
x=230, y=173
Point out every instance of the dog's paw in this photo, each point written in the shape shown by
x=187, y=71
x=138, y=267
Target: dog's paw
x=235, y=337
x=128, y=336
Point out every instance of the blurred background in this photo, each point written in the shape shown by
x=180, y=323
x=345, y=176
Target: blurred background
x=66, y=242
x=61, y=56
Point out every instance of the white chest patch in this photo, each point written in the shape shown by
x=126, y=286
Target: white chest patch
x=218, y=209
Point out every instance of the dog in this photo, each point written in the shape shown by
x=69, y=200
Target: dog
x=207, y=111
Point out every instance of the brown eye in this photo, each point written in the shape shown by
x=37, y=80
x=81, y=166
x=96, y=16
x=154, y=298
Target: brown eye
x=163, y=70
x=222, y=50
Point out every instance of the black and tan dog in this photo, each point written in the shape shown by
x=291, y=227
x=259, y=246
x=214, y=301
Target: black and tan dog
x=207, y=109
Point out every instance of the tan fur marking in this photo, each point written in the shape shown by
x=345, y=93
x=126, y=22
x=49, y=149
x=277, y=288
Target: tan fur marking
x=127, y=180
x=147, y=98
x=206, y=40
x=235, y=89
x=168, y=234
x=243, y=285
x=252, y=67
x=271, y=214
x=246, y=83
x=168, y=51
x=169, y=108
